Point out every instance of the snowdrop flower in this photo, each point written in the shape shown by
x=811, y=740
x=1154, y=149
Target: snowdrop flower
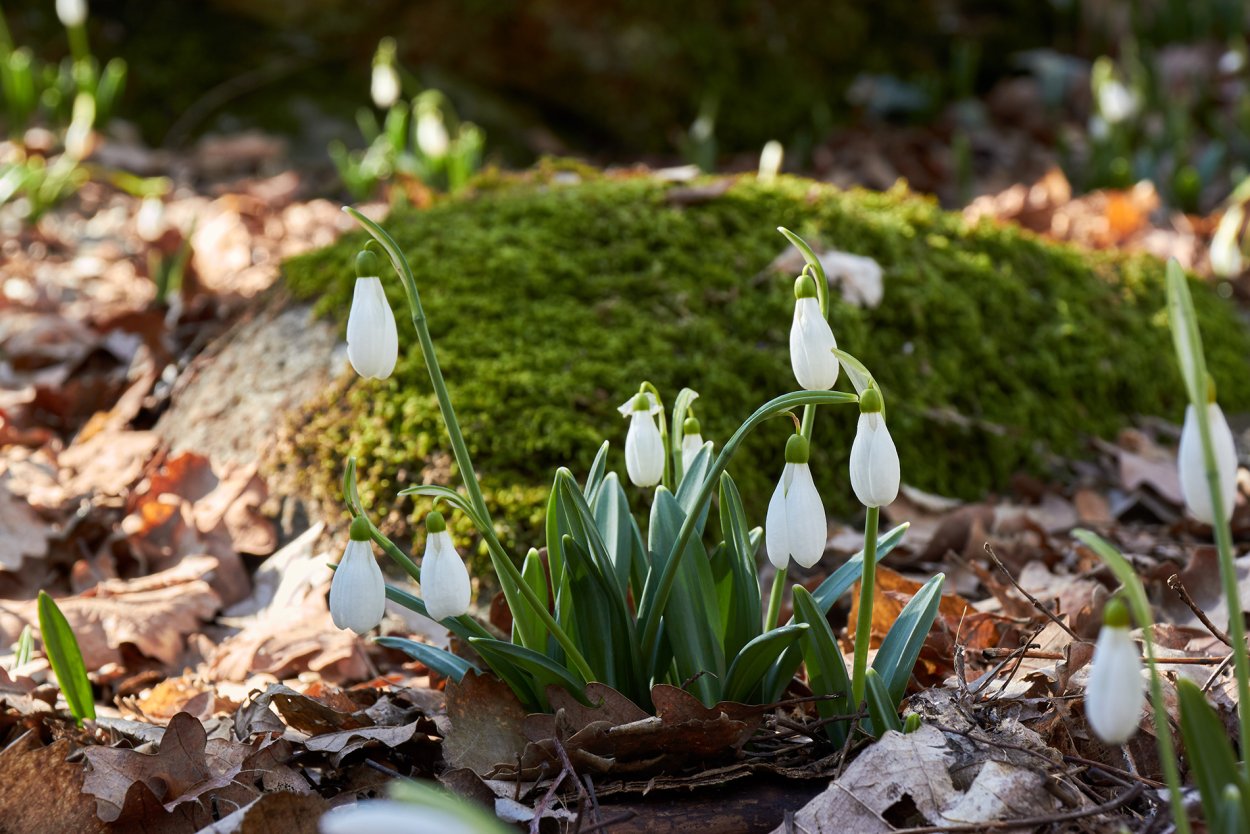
x=432, y=136
x=1193, y=467
x=372, y=339
x=1115, y=692
x=444, y=578
x=811, y=340
x=644, y=447
x=771, y=158
x=874, y=459
x=691, y=442
x=71, y=12
x=388, y=816
x=384, y=84
x=795, y=525
x=1116, y=102
x=1225, y=253
x=358, y=591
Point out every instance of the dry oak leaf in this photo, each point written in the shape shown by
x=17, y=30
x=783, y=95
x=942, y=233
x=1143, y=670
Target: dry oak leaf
x=43, y=791
x=186, y=766
x=486, y=724
x=153, y=613
x=343, y=743
x=23, y=535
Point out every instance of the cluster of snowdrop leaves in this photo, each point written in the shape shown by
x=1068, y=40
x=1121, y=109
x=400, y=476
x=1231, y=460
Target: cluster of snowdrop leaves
x=634, y=603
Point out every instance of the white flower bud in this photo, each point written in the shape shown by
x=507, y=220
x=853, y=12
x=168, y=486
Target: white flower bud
x=384, y=85
x=811, y=341
x=644, y=448
x=432, y=136
x=691, y=445
x=71, y=12
x=445, y=585
x=388, y=816
x=795, y=525
x=874, y=461
x=1226, y=260
x=372, y=339
x=1115, y=692
x=358, y=591
x=1193, y=468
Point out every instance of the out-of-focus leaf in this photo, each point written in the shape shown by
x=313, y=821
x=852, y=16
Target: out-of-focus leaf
x=61, y=647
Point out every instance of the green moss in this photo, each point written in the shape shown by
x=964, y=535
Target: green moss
x=550, y=303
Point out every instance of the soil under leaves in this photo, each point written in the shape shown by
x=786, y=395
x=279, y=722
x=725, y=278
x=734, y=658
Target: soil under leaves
x=228, y=702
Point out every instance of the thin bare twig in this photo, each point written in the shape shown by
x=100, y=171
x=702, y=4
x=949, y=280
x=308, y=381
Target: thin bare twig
x=1174, y=582
x=1036, y=603
x=993, y=654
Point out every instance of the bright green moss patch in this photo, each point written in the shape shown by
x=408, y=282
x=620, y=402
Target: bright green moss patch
x=549, y=303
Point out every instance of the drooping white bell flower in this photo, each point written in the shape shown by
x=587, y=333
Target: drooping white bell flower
x=811, y=340
x=445, y=585
x=71, y=12
x=432, y=136
x=1193, y=468
x=372, y=338
x=644, y=447
x=1115, y=692
x=691, y=442
x=1225, y=254
x=795, y=526
x=874, y=458
x=384, y=86
x=358, y=591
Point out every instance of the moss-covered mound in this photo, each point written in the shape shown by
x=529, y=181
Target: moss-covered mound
x=550, y=302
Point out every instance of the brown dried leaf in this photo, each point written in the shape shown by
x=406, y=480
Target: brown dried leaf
x=23, y=534
x=43, y=791
x=343, y=743
x=486, y=721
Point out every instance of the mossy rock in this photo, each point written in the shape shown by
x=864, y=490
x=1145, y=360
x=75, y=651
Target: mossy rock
x=549, y=302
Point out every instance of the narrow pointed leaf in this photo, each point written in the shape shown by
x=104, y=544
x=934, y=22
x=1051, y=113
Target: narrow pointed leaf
x=544, y=671
x=739, y=596
x=1210, y=755
x=826, y=670
x=598, y=468
x=882, y=709
x=901, y=646
x=746, y=673
x=527, y=628
x=63, y=653
x=463, y=626
x=441, y=661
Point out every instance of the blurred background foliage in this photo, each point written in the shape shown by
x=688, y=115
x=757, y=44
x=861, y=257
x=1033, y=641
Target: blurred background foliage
x=1121, y=90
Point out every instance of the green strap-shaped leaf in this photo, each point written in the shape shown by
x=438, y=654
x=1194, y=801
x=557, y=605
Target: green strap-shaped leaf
x=597, y=470
x=1211, y=757
x=618, y=529
x=901, y=646
x=527, y=628
x=882, y=709
x=543, y=670
x=441, y=661
x=463, y=626
x=746, y=673
x=826, y=670
x=63, y=653
x=740, y=597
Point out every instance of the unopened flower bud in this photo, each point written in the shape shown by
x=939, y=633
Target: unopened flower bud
x=795, y=526
x=644, y=447
x=358, y=589
x=372, y=338
x=445, y=585
x=1115, y=693
x=811, y=340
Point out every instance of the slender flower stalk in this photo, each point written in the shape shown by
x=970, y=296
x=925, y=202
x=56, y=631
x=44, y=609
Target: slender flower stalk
x=811, y=339
x=1116, y=692
x=795, y=527
x=358, y=590
x=445, y=585
x=875, y=479
x=644, y=447
x=1188, y=342
x=372, y=338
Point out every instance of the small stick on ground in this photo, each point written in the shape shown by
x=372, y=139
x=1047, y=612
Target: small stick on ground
x=1174, y=582
x=1028, y=822
x=1036, y=603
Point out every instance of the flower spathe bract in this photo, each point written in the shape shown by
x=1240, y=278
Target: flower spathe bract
x=372, y=338
x=811, y=340
x=358, y=591
x=795, y=526
x=445, y=585
x=1192, y=465
x=644, y=448
x=874, y=461
x=1115, y=692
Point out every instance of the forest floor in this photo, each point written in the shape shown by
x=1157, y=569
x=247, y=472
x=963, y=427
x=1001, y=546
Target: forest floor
x=227, y=701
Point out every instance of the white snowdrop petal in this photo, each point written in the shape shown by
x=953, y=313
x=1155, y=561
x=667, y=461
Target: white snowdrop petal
x=811, y=347
x=358, y=590
x=1192, y=467
x=690, y=446
x=71, y=12
x=387, y=816
x=644, y=450
x=372, y=338
x=432, y=136
x=875, y=473
x=1115, y=692
x=805, y=515
x=384, y=85
x=445, y=585
x=776, y=529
